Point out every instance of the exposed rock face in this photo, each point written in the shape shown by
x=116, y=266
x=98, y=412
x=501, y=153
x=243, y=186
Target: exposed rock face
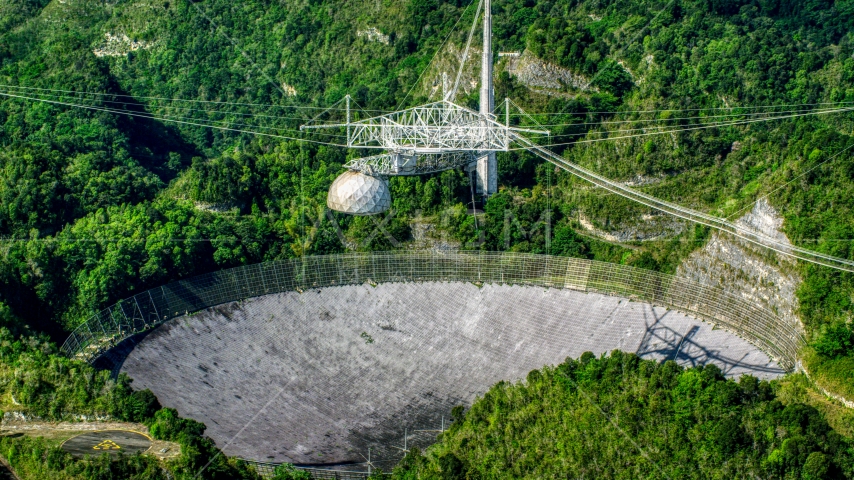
x=740, y=267
x=652, y=227
x=538, y=74
x=289, y=90
x=118, y=45
x=373, y=35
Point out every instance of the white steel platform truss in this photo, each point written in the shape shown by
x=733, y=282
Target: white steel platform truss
x=437, y=127
x=410, y=163
x=442, y=135
x=425, y=139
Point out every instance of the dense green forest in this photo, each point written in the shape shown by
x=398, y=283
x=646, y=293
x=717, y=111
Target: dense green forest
x=38, y=382
x=96, y=206
x=611, y=417
x=622, y=417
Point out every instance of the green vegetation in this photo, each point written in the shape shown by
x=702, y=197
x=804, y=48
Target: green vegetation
x=96, y=206
x=38, y=458
x=288, y=472
x=35, y=457
x=37, y=382
x=183, y=199
x=622, y=417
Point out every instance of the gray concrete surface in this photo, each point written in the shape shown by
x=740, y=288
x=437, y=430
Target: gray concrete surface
x=111, y=442
x=319, y=377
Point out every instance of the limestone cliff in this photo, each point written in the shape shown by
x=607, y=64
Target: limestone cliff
x=740, y=267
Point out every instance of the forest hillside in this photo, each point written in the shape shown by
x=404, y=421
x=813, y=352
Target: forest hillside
x=128, y=159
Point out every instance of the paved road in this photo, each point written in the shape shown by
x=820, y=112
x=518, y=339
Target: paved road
x=106, y=441
x=5, y=474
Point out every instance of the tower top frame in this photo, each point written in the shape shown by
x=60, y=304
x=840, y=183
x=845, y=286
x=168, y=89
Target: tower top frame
x=434, y=128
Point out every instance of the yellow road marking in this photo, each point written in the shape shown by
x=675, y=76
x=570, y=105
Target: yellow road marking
x=107, y=445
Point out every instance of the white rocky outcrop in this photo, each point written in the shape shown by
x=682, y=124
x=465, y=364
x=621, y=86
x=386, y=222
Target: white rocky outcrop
x=119, y=45
x=653, y=226
x=747, y=270
x=289, y=90
x=373, y=35
x=539, y=74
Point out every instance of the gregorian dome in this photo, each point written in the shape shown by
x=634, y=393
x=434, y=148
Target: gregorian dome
x=359, y=194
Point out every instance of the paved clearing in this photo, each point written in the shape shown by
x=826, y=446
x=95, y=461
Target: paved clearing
x=61, y=431
x=319, y=377
x=107, y=441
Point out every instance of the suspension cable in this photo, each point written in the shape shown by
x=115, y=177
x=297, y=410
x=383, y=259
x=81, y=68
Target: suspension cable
x=689, y=109
x=756, y=238
x=673, y=128
x=152, y=117
x=453, y=92
x=678, y=130
x=672, y=119
x=298, y=107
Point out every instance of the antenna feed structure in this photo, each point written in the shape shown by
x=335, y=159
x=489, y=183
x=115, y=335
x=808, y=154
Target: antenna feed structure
x=425, y=139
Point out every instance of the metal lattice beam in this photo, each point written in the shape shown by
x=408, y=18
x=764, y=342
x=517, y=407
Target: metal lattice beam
x=440, y=127
x=410, y=163
x=758, y=325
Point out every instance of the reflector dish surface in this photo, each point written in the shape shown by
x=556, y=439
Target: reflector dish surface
x=321, y=376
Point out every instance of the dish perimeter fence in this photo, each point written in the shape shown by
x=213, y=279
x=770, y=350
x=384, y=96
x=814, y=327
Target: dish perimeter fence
x=146, y=310
x=267, y=470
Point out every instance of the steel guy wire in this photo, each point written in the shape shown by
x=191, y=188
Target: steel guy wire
x=76, y=92
x=158, y=106
x=145, y=114
x=792, y=180
x=304, y=107
x=312, y=119
x=453, y=92
x=522, y=112
x=686, y=109
x=107, y=110
x=678, y=130
x=646, y=128
x=358, y=105
x=433, y=58
x=227, y=122
x=179, y=120
x=672, y=119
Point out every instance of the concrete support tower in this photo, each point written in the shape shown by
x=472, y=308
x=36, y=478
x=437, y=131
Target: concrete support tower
x=487, y=166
